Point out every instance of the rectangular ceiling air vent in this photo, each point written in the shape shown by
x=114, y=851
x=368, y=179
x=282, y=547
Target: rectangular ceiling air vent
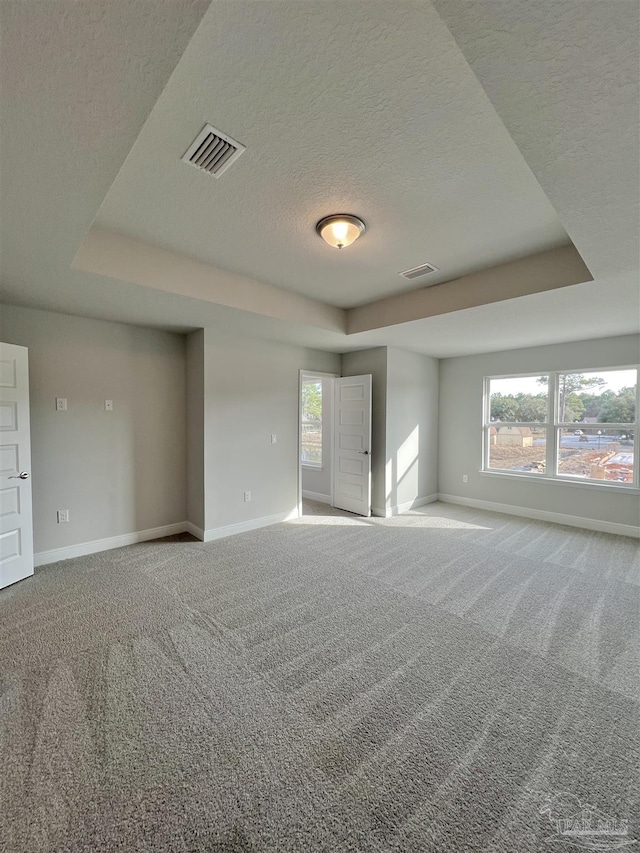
x=213, y=151
x=416, y=272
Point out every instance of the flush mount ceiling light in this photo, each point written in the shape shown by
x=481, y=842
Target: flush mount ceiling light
x=340, y=230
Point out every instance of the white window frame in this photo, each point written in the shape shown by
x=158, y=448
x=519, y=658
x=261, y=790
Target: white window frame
x=553, y=428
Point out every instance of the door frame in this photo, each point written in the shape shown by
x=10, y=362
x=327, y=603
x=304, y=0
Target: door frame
x=303, y=372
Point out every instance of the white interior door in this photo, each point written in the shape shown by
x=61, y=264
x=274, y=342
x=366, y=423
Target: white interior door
x=352, y=444
x=16, y=527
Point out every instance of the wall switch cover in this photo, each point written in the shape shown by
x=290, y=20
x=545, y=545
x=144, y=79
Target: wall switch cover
x=108, y=405
x=274, y=438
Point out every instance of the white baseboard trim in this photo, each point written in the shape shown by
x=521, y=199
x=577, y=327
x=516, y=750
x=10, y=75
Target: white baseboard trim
x=245, y=526
x=405, y=507
x=544, y=515
x=191, y=528
x=398, y=509
x=316, y=496
x=43, y=558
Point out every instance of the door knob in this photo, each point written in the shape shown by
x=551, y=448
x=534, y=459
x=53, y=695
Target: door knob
x=364, y=452
x=23, y=475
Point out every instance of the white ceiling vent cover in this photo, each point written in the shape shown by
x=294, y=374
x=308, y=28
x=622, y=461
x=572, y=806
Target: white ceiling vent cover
x=416, y=272
x=213, y=151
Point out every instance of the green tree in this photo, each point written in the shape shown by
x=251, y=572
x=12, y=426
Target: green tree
x=532, y=408
x=529, y=408
x=573, y=408
x=570, y=406
x=504, y=407
x=312, y=401
x=593, y=403
x=619, y=408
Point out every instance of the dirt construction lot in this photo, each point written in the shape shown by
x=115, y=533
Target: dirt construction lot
x=572, y=461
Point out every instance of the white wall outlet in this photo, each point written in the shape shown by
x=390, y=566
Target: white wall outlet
x=108, y=405
x=247, y=497
x=61, y=404
x=63, y=516
x=274, y=438
x=465, y=478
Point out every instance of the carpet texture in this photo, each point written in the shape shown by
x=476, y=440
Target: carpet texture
x=446, y=680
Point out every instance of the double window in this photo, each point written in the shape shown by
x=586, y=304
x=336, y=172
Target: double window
x=575, y=425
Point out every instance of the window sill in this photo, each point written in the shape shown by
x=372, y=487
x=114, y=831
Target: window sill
x=538, y=478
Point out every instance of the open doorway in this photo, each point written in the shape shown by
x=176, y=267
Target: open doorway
x=315, y=458
x=334, y=450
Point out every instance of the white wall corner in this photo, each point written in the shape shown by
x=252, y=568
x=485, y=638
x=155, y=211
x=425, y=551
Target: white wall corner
x=316, y=496
x=82, y=549
x=544, y=515
x=191, y=528
x=398, y=509
x=43, y=558
x=251, y=524
x=409, y=505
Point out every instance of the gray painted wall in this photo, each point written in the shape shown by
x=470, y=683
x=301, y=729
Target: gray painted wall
x=461, y=430
x=412, y=428
x=318, y=480
x=116, y=472
x=374, y=361
x=404, y=424
x=195, y=428
x=126, y=471
x=251, y=391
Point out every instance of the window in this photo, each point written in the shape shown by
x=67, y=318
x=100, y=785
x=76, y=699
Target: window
x=574, y=425
x=517, y=427
x=311, y=423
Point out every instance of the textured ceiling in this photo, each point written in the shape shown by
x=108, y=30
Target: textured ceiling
x=79, y=80
x=343, y=107
x=565, y=79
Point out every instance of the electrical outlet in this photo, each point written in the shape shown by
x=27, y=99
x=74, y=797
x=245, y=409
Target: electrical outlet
x=63, y=516
x=465, y=478
x=61, y=404
x=108, y=405
x=247, y=497
x=274, y=438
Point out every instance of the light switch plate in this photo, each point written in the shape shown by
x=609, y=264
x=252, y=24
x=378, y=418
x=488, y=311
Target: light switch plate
x=108, y=405
x=274, y=438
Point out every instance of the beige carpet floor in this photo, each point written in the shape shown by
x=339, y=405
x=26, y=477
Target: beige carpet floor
x=447, y=680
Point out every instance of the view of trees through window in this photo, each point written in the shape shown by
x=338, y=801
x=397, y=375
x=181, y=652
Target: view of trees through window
x=311, y=439
x=590, y=435
x=580, y=395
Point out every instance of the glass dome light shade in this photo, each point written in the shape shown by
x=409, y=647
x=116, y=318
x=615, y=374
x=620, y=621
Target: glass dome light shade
x=340, y=230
